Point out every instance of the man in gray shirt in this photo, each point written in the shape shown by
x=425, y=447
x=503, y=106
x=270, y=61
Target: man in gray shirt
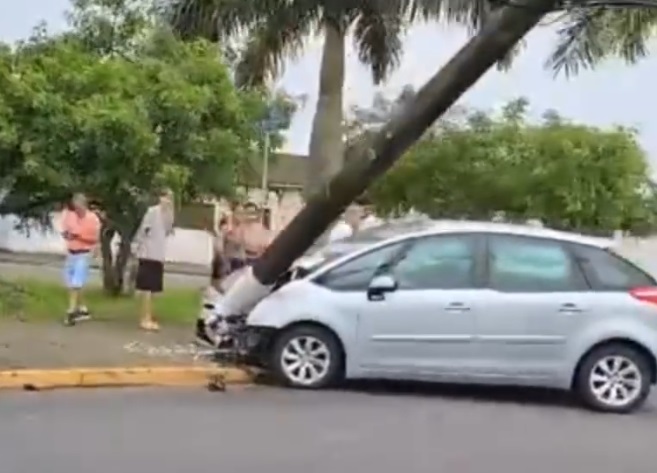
x=150, y=248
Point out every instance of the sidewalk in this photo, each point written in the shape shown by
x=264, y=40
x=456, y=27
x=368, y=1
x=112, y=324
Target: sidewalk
x=50, y=259
x=92, y=344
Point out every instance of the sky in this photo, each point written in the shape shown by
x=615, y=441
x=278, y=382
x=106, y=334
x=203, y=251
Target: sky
x=613, y=94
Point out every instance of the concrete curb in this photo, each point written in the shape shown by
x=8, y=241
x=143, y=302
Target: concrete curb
x=173, y=376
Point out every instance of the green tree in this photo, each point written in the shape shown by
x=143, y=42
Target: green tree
x=567, y=175
x=117, y=119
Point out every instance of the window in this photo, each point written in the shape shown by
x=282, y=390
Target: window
x=609, y=272
x=438, y=262
x=523, y=264
x=356, y=274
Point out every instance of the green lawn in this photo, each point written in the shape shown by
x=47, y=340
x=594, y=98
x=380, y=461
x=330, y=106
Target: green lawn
x=44, y=301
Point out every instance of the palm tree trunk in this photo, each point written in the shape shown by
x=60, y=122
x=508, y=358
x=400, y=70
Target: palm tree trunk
x=496, y=38
x=326, y=146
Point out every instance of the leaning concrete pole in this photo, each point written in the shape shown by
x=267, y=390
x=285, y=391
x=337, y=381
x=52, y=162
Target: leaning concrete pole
x=501, y=32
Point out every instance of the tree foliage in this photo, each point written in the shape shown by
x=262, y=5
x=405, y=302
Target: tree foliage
x=482, y=166
x=116, y=108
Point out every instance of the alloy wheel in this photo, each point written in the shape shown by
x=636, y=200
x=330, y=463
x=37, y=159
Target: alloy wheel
x=615, y=381
x=305, y=360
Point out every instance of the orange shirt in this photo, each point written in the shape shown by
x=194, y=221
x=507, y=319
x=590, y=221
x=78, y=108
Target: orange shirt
x=84, y=230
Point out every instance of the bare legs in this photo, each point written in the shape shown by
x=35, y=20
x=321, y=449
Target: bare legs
x=74, y=299
x=147, y=320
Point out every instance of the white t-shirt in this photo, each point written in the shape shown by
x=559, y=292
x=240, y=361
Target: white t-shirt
x=340, y=231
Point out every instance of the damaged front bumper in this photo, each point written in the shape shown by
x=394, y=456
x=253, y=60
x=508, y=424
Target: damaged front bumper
x=235, y=342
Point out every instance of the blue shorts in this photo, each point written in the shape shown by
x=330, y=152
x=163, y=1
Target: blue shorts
x=76, y=270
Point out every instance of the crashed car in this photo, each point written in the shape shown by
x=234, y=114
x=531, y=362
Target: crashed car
x=466, y=302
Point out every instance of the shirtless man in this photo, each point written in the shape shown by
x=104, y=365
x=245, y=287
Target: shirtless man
x=255, y=236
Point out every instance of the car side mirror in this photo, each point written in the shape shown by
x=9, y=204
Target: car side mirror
x=380, y=285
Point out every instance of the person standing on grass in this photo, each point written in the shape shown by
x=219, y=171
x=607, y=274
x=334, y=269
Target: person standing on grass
x=255, y=236
x=220, y=265
x=81, y=232
x=234, y=239
x=150, y=247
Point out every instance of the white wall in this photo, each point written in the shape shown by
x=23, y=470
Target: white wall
x=184, y=246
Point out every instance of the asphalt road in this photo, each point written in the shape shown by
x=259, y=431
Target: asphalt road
x=280, y=431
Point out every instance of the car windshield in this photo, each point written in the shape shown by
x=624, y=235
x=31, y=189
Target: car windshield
x=364, y=238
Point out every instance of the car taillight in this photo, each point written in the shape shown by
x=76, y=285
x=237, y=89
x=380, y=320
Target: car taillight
x=645, y=294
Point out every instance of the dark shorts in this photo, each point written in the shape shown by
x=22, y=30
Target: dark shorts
x=239, y=263
x=235, y=264
x=150, y=276
x=220, y=267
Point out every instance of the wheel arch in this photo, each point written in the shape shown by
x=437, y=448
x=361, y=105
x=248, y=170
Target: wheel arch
x=650, y=356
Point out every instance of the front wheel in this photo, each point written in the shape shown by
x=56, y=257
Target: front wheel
x=614, y=378
x=307, y=357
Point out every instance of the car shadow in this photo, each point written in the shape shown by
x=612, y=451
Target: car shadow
x=481, y=393
x=497, y=394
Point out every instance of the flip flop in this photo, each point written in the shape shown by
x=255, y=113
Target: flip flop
x=149, y=326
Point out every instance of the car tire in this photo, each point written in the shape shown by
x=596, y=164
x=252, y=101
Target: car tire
x=597, y=382
x=307, y=357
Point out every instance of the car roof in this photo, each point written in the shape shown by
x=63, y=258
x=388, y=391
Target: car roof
x=423, y=227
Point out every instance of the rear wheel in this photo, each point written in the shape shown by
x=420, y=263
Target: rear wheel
x=614, y=378
x=307, y=357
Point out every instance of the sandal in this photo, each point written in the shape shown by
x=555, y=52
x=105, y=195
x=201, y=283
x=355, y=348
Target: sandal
x=149, y=326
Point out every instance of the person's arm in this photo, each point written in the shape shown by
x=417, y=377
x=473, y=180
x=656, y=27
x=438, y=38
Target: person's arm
x=68, y=228
x=144, y=228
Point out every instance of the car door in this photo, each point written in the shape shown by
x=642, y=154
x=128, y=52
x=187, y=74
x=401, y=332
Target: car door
x=424, y=327
x=537, y=297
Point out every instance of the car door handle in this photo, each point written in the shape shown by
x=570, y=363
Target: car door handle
x=569, y=307
x=457, y=307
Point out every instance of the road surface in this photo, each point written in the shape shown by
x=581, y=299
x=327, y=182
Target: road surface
x=271, y=430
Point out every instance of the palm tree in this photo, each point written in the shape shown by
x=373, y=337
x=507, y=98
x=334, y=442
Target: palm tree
x=276, y=29
x=588, y=36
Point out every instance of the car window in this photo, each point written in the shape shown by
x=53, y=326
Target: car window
x=437, y=262
x=609, y=272
x=356, y=274
x=524, y=264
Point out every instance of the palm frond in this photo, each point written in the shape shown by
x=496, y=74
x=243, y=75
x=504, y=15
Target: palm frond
x=273, y=40
x=378, y=39
x=590, y=36
x=215, y=19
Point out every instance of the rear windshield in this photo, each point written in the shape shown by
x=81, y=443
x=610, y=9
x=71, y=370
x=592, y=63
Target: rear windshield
x=606, y=270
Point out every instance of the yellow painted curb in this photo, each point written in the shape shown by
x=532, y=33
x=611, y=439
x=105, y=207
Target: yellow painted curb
x=214, y=377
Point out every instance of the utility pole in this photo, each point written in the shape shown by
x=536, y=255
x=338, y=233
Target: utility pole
x=504, y=28
x=272, y=122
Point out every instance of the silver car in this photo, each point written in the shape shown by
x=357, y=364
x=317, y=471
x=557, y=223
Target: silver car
x=467, y=302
